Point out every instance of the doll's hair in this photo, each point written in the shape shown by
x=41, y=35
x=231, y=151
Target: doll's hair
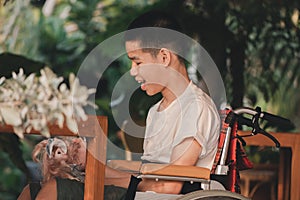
x=60, y=162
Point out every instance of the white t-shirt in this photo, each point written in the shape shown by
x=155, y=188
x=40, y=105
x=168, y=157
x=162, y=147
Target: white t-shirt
x=192, y=114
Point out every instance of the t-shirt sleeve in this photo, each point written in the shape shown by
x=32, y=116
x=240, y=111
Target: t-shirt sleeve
x=201, y=122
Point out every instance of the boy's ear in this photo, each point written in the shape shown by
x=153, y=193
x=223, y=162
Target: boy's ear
x=165, y=56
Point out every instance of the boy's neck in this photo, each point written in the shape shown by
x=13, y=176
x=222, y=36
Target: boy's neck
x=174, y=89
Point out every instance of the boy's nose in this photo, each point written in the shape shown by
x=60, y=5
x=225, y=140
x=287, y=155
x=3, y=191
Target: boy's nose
x=133, y=70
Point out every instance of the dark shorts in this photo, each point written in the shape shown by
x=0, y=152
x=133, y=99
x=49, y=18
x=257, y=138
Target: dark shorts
x=190, y=187
x=74, y=190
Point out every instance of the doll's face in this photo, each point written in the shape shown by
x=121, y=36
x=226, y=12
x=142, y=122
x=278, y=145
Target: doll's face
x=59, y=153
x=70, y=149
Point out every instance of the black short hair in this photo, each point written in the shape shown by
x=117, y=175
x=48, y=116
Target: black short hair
x=152, y=40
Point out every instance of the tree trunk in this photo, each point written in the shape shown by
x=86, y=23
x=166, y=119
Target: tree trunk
x=237, y=64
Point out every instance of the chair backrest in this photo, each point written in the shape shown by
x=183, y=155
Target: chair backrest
x=132, y=144
x=95, y=128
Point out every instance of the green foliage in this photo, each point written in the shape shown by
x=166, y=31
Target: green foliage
x=266, y=155
x=11, y=179
x=17, y=25
x=272, y=74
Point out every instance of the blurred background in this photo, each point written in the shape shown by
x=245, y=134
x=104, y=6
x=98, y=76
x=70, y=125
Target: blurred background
x=255, y=45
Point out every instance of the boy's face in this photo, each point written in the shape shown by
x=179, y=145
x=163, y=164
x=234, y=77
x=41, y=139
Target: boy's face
x=146, y=68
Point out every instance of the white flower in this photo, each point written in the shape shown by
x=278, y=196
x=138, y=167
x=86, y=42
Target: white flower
x=34, y=102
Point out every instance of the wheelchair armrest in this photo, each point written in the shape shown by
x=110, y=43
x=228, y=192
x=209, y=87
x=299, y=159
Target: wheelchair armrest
x=160, y=169
x=175, y=170
x=125, y=165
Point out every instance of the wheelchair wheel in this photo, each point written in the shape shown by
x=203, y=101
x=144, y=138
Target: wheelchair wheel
x=212, y=194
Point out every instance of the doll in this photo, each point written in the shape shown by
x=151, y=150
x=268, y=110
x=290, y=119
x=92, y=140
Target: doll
x=62, y=157
x=62, y=161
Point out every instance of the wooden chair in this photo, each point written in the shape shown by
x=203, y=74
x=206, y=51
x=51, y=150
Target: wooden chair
x=253, y=179
x=95, y=129
x=132, y=144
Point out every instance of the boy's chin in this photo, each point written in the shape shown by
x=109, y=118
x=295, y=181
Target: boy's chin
x=150, y=93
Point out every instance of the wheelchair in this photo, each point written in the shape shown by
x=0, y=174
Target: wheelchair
x=222, y=182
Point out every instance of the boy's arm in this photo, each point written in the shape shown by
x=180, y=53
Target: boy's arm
x=185, y=153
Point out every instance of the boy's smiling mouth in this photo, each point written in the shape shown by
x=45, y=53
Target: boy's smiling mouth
x=140, y=81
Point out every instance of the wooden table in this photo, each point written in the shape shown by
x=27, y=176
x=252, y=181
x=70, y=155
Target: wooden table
x=289, y=166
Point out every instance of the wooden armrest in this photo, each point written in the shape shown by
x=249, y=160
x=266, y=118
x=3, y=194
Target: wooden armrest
x=160, y=169
x=176, y=170
x=125, y=165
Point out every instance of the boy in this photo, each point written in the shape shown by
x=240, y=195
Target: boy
x=183, y=127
